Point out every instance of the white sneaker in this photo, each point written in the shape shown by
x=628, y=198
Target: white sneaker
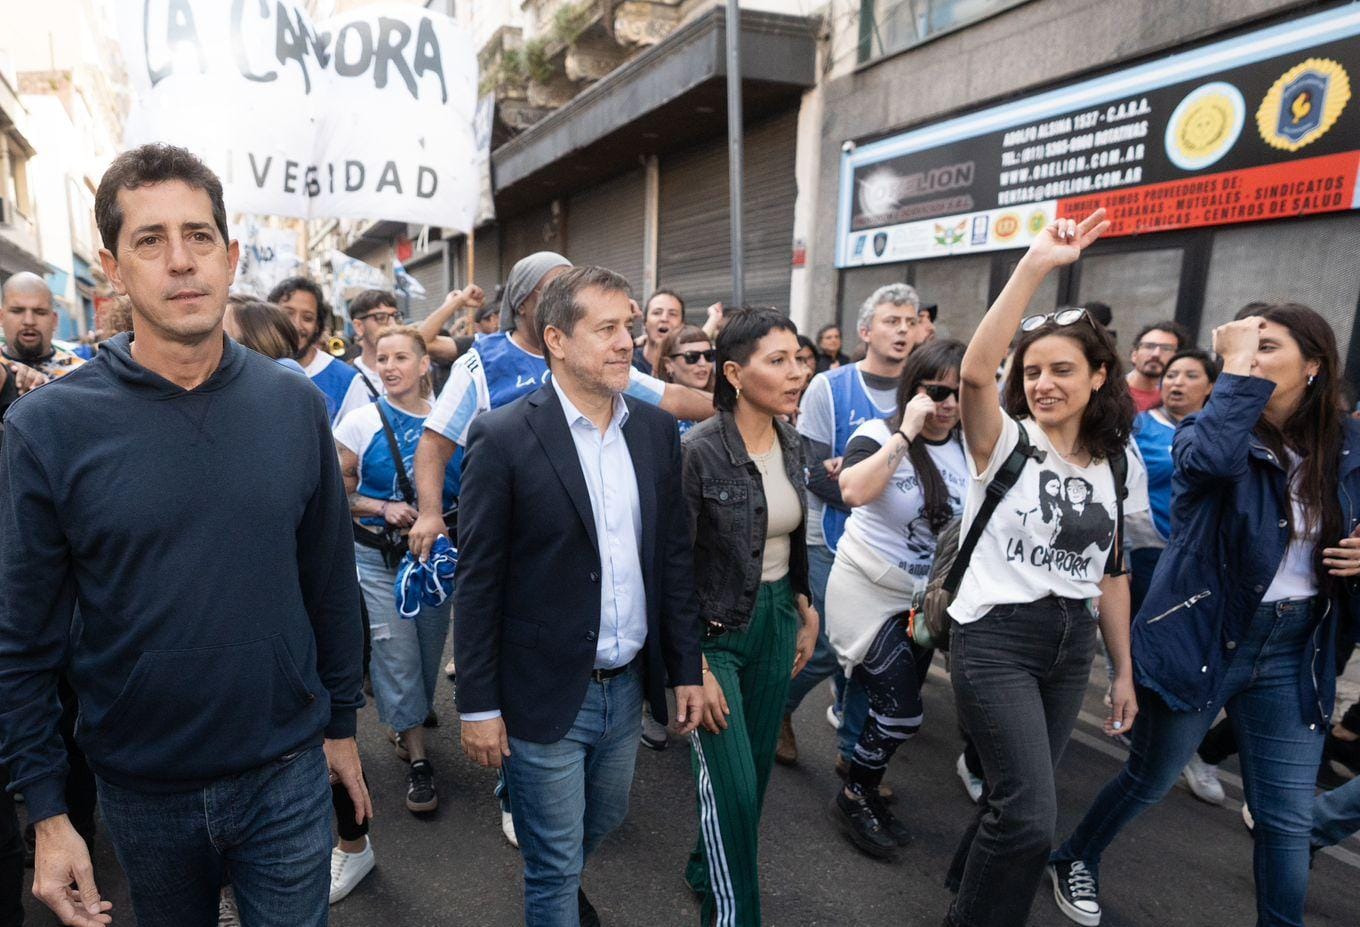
x=451, y=669
x=833, y=717
x=508, y=828
x=971, y=783
x=1203, y=780
x=349, y=869
x=653, y=733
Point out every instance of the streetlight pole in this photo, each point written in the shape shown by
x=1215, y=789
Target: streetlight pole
x=734, y=150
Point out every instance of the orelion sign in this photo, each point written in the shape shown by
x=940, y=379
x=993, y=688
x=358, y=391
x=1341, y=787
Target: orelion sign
x=367, y=115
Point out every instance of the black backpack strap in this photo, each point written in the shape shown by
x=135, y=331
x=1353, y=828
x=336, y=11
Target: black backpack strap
x=1002, y=483
x=1119, y=468
x=372, y=390
x=403, y=481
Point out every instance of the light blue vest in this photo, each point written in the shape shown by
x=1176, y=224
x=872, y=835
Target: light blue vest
x=851, y=407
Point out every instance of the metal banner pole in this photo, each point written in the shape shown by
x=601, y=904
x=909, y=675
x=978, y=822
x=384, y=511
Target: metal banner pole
x=734, y=149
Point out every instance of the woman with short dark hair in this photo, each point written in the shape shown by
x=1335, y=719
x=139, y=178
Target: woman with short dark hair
x=743, y=481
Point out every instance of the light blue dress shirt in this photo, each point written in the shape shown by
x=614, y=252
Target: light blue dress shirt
x=612, y=483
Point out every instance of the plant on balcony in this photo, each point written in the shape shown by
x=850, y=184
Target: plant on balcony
x=572, y=19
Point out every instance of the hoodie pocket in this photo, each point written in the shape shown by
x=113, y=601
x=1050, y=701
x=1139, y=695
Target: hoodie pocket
x=200, y=713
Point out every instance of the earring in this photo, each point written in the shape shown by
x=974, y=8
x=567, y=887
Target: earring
x=738, y=392
x=1311, y=378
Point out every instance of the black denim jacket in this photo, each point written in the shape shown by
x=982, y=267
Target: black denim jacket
x=728, y=518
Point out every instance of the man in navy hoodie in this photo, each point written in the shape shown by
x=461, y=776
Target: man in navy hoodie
x=174, y=535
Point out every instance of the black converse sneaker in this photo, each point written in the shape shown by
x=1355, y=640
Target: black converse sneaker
x=888, y=821
x=420, y=793
x=862, y=826
x=1074, y=889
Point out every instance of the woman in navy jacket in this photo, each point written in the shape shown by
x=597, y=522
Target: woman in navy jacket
x=1245, y=603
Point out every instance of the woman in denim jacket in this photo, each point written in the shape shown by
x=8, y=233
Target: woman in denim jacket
x=1245, y=602
x=744, y=479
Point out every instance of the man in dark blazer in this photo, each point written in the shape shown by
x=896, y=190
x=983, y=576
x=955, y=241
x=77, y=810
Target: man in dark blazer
x=575, y=593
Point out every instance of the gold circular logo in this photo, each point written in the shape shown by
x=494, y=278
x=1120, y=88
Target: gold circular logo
x=1007, y=226
x=1205, y=125
x=1037, y=220
x=1303, y=104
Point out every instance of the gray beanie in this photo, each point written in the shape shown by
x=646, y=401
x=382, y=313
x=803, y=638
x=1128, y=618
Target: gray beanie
x=524, y=276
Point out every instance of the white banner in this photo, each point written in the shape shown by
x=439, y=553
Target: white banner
x=268, y=257
x=350, y=276
x=367, y=115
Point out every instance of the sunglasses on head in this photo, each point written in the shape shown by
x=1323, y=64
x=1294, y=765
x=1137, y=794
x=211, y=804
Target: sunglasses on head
x=938, y=392
x=1062, y=317
x=693, y=357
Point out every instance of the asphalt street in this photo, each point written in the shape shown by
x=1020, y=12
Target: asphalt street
x=1185, y=863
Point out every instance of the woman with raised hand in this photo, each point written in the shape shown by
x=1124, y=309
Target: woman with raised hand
x=904, y=478
x=1245, y=603
x=1023, y=631
x=743, y=481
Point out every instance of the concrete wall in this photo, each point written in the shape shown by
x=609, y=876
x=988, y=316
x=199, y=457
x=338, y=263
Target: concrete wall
x=1017, y=51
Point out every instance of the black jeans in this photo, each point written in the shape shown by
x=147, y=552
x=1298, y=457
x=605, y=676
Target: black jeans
x=1019, y=674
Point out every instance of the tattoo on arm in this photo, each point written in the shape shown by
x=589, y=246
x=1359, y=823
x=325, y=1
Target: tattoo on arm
x=895, y=455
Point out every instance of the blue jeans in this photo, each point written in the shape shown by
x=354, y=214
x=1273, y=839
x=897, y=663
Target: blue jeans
x=851, y=702
x=407, y=652
x=267, y=830
x=1280, y=753
x=1336, y=814
x=1019, y=674
x=570, y=794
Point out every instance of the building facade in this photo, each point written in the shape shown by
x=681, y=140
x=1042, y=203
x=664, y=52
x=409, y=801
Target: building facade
x=1223, y=139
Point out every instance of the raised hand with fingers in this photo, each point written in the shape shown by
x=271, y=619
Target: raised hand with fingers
x=1063, y=241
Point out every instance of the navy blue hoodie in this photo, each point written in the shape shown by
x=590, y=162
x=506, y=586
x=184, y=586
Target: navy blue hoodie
x=187, y=556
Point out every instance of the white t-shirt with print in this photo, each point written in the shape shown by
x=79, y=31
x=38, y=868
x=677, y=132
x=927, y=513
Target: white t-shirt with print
x=1051, y=534
x=895, y=525
x=358, y=394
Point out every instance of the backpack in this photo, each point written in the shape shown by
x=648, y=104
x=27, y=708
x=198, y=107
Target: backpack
x=928, y=622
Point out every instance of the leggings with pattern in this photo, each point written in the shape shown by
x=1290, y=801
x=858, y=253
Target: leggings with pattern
x=891, y=675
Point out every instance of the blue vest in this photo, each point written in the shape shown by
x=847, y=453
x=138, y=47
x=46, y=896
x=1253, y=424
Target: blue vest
x=511, y=372
x=850, y=408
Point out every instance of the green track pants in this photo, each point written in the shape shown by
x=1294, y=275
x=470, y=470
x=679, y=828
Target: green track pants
x=731, y=769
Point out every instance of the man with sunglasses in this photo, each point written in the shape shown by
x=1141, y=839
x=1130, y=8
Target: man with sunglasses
x=1152, y=350
x=371, y=311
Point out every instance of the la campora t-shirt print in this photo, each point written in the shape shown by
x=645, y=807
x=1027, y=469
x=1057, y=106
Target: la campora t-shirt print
x=1051, y=534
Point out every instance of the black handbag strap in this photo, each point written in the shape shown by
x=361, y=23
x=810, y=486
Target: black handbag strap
x=403, y=481
x=1119, y=469
x=1002, y=483
x=372, y=390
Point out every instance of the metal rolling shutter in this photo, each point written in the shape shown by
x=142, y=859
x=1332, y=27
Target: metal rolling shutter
x=605, y=227
x=694, y=254
x=522, y=235
x=430, y=271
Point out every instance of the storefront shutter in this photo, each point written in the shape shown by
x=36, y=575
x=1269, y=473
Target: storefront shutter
x=694, y=252
x=604, y=226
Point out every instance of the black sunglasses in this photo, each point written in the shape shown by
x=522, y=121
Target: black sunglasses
x=693, y=357
x=1062, y=317
x=938, y=392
